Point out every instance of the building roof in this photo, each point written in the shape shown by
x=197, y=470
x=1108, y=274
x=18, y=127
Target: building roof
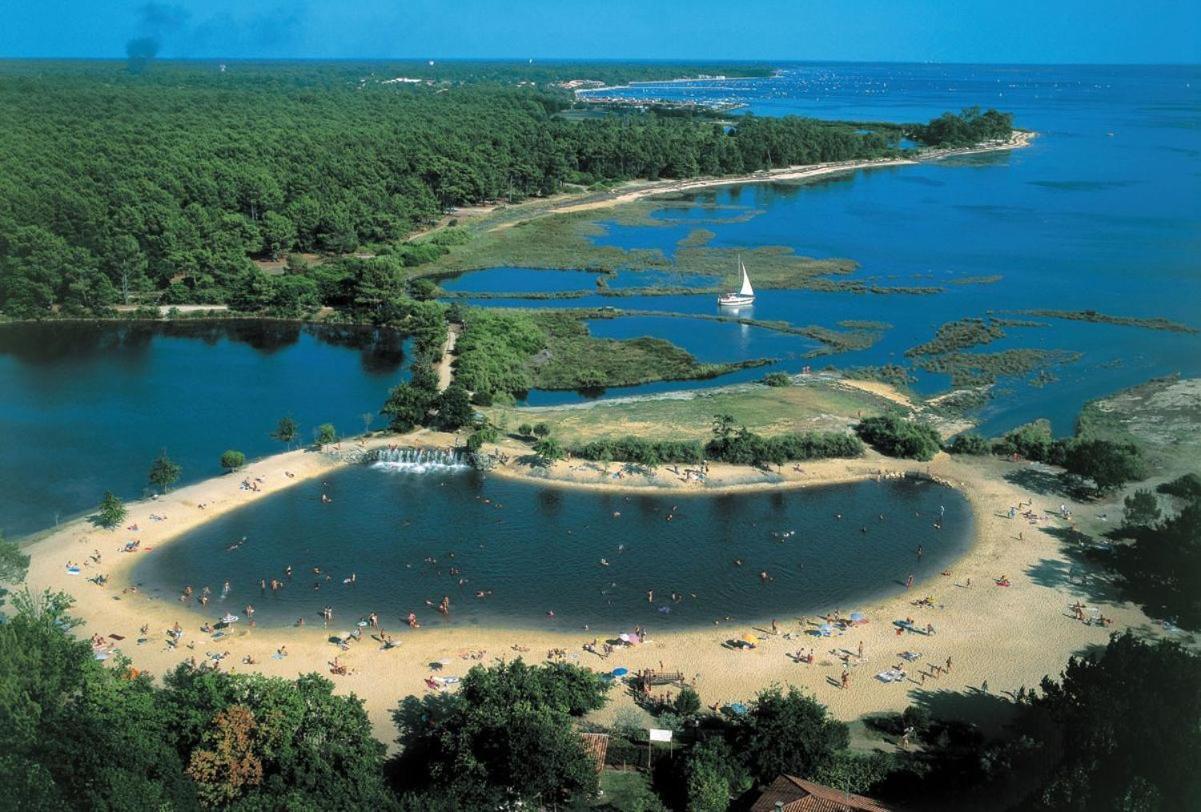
x=596, y=745
x=790, y=794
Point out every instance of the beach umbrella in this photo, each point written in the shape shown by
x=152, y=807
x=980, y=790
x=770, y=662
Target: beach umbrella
x=857, y=617
x=620, y=672
x=228, y=618
x=747, y=637
x=738, y=709
x=826, y=629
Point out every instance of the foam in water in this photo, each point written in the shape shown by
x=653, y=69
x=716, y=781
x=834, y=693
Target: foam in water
x=419, y=460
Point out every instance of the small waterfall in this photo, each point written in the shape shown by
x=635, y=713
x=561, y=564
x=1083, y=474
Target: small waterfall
x=419, y=460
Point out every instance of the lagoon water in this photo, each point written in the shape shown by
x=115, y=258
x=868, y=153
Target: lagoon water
x=539, y=549
x=85, y=408
x=1103, y=212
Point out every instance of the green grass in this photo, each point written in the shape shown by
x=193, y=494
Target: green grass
x=818, y=404
x=624, y=791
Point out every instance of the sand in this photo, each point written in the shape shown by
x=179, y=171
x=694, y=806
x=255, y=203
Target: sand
x=1020, y=139
x=1009, y=636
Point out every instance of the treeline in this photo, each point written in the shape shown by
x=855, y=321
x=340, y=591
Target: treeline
x=640, y=451
x=970, y=127
x=119, y=189
x=744, y=447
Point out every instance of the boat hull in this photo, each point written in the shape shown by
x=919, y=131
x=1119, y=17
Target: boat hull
x=735, y=300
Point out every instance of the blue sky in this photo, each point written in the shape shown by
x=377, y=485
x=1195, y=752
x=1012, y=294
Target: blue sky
x=884, y=30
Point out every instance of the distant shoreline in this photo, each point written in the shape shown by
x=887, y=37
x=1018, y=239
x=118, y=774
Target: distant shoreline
x=1019, y=140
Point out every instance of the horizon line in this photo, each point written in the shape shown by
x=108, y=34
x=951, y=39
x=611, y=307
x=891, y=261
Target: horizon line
x=592, y=60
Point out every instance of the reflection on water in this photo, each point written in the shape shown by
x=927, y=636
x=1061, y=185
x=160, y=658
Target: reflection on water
x=87, y=406
x=590, y=557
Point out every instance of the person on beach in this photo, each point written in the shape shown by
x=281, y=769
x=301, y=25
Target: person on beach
x=909, y=582
x=846, y=676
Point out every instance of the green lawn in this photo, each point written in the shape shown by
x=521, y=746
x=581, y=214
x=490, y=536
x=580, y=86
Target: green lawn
x=819, y=405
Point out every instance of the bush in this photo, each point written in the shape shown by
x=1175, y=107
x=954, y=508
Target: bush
x=641, y=452
x=687, y=703
x=1033, y=441
x=972, y=444
x=1108, y=464
x=326, y=434
x=777, y=379
x=1186, y=487
x=232, y=460
x=895, y=437
x=747, y=448
x=1142, y=509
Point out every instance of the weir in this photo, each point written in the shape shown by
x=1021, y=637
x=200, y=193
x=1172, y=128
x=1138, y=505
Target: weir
x=419, y=460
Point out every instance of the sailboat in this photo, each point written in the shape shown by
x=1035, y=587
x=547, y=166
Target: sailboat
x=745, y=295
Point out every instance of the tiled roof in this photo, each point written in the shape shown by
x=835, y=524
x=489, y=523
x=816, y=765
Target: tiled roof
x=797, y=795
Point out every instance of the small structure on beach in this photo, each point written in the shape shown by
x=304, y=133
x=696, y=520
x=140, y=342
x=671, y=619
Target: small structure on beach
x=791, y=794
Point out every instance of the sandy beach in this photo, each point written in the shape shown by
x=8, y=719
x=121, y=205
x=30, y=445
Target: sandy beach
x=1008, y=635
x=1020, y=139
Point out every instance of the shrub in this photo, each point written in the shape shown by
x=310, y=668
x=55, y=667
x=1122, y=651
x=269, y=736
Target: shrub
x=777, y=379
x=1142, y=509
x=1106, y=463
x=232, y=460
x=972, y=444
x=1186, y=487
x=895, y=437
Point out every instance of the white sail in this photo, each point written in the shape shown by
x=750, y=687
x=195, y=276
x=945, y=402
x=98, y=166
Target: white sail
x=746, y=290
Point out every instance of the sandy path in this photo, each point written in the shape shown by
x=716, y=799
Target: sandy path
x=445, y=372
x=1009, y=636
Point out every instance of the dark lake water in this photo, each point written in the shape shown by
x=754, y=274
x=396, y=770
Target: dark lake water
x=1103, y=212
x=85, y=408
x=539, y=549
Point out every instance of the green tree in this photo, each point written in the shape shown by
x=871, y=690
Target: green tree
x=1162, y=567
x=325, y=434
x=407, y=407
x=78, y=734
x=1106, y=745
x=713, y=774
x=789, y=733
x=454, y=408
x=13, y=565
x=541, y=430
x=1141, y=509
x=286, y=431
x=525, y=430
x=164, y=472
x=894, y=436
x=723, y=426
x=687, y=702
x=112, y=511
x=505, y=738
x=315, y=749
x=549, y=450
x=1108, y=464
x=232, y=460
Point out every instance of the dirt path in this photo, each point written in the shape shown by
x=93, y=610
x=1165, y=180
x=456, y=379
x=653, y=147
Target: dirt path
x=445, y=373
